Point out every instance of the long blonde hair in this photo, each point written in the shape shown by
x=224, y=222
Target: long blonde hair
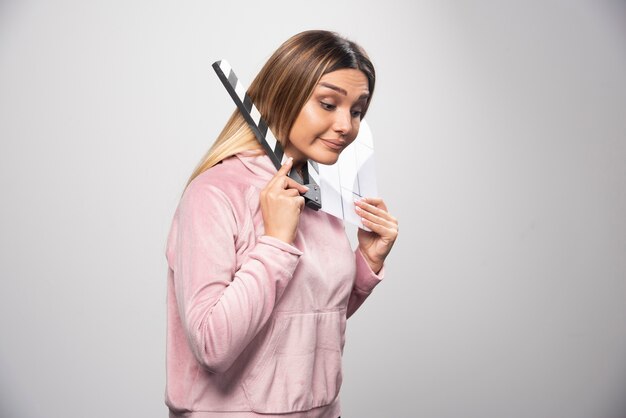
x=284, y=85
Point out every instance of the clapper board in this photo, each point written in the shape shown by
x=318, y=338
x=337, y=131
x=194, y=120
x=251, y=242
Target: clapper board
x=332, y=188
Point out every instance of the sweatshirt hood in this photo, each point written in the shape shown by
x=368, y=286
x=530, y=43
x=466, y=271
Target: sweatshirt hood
x=259, y=164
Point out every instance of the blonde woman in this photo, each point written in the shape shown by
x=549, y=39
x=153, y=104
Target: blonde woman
x=260, y=286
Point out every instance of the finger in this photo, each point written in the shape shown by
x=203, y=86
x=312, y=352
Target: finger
x=292, y=184
x=292, y=192
x=374, y=218
x=380, y=211
x=279, y=178
x=381, y=230
x=375, y=201
x=300, y=202
x=284, y=169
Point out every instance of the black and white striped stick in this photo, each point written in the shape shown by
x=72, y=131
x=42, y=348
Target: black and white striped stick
x=264, y=135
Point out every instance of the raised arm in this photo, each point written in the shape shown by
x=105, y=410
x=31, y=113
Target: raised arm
x=374, y=246
x=223, y=306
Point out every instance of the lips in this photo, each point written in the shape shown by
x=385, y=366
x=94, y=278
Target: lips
x=335, y=145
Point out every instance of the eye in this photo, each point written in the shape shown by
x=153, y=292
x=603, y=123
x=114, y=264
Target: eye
x=327, y=106
x=356, y=113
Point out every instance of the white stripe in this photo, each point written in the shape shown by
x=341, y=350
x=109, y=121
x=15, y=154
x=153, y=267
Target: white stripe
x=256, y=116
x=225, y=67
x=271, y=140
x=240, y=90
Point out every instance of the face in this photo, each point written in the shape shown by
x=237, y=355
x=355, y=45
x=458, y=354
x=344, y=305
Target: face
x=330, y=119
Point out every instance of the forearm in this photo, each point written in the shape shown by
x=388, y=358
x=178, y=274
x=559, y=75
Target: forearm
x=222, y=318
x=365, y=282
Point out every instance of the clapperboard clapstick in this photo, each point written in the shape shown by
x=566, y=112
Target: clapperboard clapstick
x=264, y=135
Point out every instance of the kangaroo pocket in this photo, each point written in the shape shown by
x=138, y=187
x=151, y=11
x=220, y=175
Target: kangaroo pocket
x=301, y=366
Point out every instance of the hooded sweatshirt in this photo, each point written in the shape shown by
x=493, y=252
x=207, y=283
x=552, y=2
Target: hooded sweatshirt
x=256, y=326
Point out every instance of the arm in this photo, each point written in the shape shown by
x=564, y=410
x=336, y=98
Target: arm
x=374, y=246
x=365, y=282
x=223, y=308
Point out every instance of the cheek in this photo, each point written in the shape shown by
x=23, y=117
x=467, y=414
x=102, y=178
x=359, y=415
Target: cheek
x=303, y=116
x=309, y=116
x=299, y=125
x=308, y=122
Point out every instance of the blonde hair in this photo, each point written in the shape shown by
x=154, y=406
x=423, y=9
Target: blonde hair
x=284, y=85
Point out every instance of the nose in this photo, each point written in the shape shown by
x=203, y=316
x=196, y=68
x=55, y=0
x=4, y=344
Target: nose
x=343, y=122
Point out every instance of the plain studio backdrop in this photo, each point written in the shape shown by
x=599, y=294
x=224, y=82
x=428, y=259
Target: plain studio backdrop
x=500, y=132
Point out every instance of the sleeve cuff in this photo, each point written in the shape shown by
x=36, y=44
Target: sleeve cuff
x=366, y=279
x=281, y=245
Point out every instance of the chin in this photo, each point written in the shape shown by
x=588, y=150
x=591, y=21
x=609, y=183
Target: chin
x=327, y=158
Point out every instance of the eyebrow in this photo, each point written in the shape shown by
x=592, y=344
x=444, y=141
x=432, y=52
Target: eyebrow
x=340, y=90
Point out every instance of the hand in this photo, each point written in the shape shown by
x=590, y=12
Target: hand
x=375, y=245
x=281, y=204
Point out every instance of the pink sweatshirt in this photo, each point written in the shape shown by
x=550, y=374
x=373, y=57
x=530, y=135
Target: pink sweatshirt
x=255, y=326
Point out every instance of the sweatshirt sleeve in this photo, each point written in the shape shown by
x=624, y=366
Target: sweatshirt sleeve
x=221, y=307
x=365, y=282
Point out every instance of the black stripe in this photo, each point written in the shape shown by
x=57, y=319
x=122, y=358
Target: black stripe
x=278, y=150
x=247, y=103
x=262, y=127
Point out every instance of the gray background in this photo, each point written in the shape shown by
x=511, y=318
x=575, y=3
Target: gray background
x=501, y=147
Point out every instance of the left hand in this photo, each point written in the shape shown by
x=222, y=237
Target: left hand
x=375, y=245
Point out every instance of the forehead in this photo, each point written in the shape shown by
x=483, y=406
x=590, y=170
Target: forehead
x=352, y=80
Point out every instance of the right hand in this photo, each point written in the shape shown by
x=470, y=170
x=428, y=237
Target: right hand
x=281, y=205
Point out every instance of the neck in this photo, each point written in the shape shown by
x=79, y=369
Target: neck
x=298, y=163
x=298, y=158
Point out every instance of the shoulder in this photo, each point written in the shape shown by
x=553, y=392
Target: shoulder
x=224, y=176
x=224, y=187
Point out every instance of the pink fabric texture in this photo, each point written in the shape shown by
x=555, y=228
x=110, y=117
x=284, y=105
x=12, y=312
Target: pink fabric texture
x=255, y=326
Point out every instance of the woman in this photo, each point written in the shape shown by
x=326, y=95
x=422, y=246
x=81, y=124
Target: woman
x=260, y=286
